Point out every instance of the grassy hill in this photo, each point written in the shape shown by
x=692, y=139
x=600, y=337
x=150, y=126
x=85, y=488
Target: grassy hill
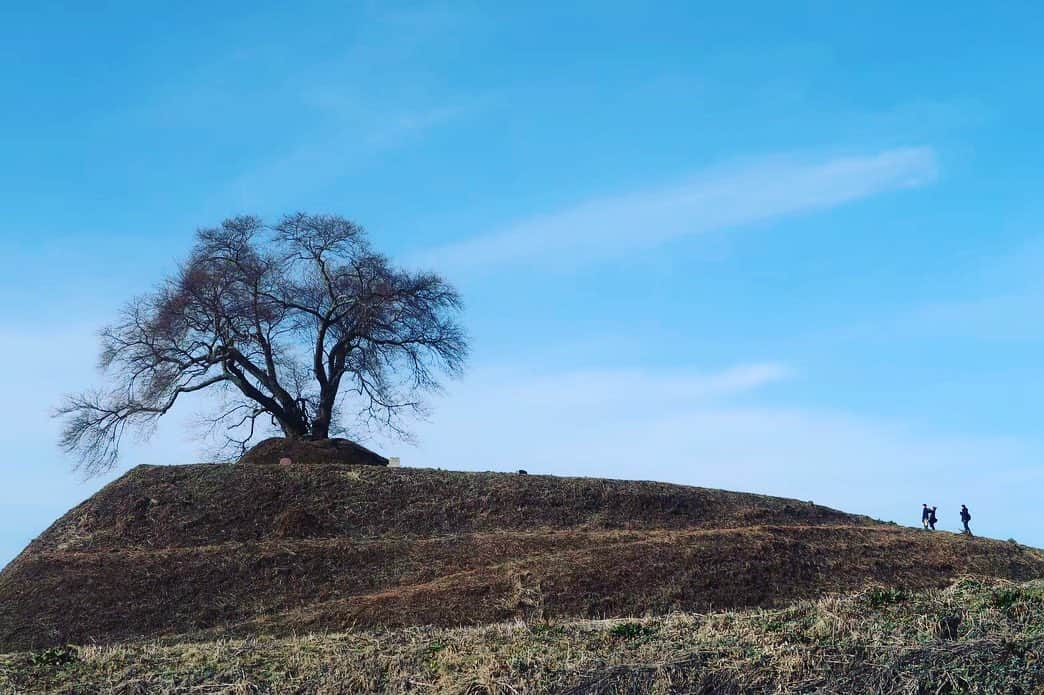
x=237, y=550
x=971, y=637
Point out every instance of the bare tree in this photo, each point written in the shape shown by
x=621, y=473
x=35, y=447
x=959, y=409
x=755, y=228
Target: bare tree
x=294, y=323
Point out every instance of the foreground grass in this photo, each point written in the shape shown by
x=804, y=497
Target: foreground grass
x=973, y=637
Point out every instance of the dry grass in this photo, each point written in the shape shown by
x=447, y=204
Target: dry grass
x=203, y=504
x=976, y=636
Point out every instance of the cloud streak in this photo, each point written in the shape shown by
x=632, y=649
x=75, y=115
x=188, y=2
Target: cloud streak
x=723, y=198
x=646, y=390
x=325, y=159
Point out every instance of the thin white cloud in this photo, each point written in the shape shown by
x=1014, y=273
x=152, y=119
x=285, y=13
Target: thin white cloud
x=325, y=159
x=723, y=198
x=987, y=301
x=645, y=389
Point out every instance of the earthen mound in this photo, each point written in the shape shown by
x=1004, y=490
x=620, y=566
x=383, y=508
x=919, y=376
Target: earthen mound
x=231, y=549
x=278, y=450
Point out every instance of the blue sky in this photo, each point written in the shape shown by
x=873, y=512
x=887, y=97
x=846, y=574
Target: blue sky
x=779, y=247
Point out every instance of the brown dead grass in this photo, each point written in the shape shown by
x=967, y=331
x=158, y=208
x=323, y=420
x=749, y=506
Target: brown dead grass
x=239, y=550
x=875, y=641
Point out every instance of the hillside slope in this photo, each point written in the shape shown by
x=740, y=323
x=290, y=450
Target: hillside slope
x=236, y=549
x=973, y=637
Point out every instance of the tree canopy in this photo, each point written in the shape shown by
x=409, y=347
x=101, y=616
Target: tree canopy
x=299, y=325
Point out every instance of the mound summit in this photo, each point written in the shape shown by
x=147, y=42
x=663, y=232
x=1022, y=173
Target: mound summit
x=232, y=550
x=275, y=450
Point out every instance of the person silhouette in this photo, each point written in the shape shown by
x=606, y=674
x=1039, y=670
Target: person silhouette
x=965, y=518
x=932, y=518
x=925, y=513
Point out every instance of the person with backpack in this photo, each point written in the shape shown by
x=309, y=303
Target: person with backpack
x=925, y=513
x=965, y=518
x=932, y=518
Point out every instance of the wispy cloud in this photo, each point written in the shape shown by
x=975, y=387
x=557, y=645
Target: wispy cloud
x=293, y=174
x=722, y=198
x=986, y=300
x=646, y=390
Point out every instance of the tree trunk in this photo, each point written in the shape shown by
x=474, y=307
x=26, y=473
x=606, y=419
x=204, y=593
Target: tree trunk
x=320, y=425
x=293, y=430
x=320, y=428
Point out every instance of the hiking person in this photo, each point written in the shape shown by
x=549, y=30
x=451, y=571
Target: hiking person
x=925, y=513
x=932, y=518
x=965, y=518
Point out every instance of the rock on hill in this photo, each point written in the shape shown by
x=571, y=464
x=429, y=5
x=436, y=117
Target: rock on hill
x=238, y=549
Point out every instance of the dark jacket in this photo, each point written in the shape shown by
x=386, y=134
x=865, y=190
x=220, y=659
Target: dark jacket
x=965, y=515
